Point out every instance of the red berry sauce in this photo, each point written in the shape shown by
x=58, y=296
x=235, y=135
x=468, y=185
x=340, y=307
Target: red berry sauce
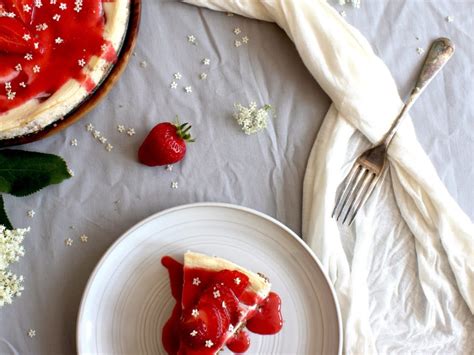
x=44, y=44
x=209, y=307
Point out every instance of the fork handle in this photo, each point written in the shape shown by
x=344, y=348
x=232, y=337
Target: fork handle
x=440, y=52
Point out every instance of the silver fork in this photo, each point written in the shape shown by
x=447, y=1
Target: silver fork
x=367, y=169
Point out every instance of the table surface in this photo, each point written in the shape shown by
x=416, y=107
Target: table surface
x=110, y=191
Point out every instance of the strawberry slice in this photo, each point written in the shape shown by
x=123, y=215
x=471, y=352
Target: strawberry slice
x=233, y=279
x=22, y=8
x=11, y=36
x=224, y=299
x=202, y=323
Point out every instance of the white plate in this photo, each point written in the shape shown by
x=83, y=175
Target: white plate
x=127, y=300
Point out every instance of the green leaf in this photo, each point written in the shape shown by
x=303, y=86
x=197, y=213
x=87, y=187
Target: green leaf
x=23, y=173
x=3, y=215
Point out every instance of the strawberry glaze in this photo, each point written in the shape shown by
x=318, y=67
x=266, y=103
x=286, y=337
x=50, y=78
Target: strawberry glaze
x=266, y=319
x=41, y=48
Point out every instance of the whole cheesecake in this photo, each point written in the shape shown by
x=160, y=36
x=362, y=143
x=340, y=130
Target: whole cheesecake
x=53, y=54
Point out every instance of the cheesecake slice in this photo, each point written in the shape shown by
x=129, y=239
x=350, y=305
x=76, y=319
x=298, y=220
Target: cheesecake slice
x=218, y=297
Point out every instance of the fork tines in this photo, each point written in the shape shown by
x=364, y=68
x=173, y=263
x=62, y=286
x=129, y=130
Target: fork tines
x=359, y=185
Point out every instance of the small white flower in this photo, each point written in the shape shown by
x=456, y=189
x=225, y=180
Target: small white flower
x=237, y=280
x=56, y=17
x=206, y=61
x=18, y=67
x=231, y=328
x=143, y=64
x=58, y=40
x=11, y=95
x=245, y=39
x=31, y=213
x=102, y=140
x=26, y=8
x=251, y=119
x=81, y=62
x=69, y=242
x=174, y=185
x=449, y=18
x=216, y=294
x=36, y=45
x=96, y=134
x=63, y=6
x=203, y=76
x=224, y=305
x=169, y=167
x=209, y=344
x=41, y=27
x=177, y=76
x=193, y=333
x=191, y=39
x=109, y=147
x=188, y=89
x=237, y=31
x=36, y=69
x=8, y=85
x=195, y=313
x=131, y=131
x=420, y=50
x=29, y=56
x=173, y=85
x=89, y=127
x=38, y=3
x=52, y=2
x=121, y=128
x=22, y=84
x=74, y=142
x=84, y=238
x=26, y=37
x=31, y=333
x=237, y=43
x=70, y=171
x=196, y=281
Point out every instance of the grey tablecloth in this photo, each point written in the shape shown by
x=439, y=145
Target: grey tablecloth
x=111, y=191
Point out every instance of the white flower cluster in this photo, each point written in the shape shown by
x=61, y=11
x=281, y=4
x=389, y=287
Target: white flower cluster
x=10, y=251
x=354, y=3
x=251, y=119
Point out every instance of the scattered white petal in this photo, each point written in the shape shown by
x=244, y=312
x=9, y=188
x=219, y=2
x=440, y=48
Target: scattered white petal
x=237, y=31
x=69, y=242
x=31, y=213
x=209, y=344
x=188, y=89
x=70, y=171
x=420, y=50
x=74, y=142
x=84, y=238
x=206, y=61
x=131, y=131
x=121, y=128
x=174, y=185
x=231, y=328
x=173, y=85
x=203, y=76
x=224, y=305
x=177, y=76
x=56, y=17
x=31, y=333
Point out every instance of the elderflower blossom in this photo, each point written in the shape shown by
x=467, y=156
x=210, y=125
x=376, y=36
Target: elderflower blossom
x=11, y=249
x=354, y=3
x=251, y=119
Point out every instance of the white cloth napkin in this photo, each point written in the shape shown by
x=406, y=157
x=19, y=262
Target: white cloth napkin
x=365, y=100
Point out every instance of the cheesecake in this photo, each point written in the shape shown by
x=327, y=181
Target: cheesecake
x=53, y=55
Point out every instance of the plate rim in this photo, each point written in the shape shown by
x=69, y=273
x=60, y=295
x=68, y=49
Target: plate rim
x=154, y=216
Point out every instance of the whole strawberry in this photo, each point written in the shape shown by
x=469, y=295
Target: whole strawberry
x=165, y=144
